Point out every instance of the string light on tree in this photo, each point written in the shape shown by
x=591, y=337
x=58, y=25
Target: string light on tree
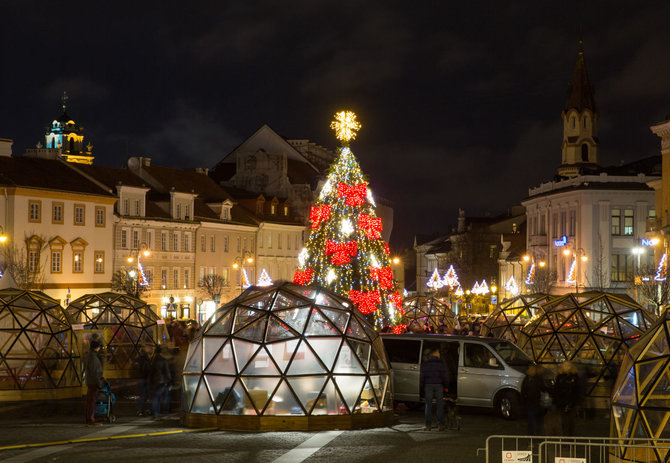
x=344, y=250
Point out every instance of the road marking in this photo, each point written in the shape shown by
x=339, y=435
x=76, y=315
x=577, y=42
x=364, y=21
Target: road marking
x=308, y=448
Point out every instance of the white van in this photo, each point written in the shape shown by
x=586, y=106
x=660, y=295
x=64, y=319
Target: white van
x=484, y=372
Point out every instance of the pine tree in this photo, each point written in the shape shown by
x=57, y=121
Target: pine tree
x=344, y=251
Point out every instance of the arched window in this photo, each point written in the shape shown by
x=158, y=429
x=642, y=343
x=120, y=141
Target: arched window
x=585, y=152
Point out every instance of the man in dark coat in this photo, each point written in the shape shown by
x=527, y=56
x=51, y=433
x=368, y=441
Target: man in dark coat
x=567, y=396
x=161, y=378
x=433, y=380
x=532, y=388
x=94, y=381
x=143, y=367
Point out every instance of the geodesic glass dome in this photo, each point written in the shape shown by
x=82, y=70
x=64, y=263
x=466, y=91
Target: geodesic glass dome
x=511, y=315
x=641, y=399
x=427, y=310
x=286, y=350
x=37, y=348
x=122, y=324
x=592, y=330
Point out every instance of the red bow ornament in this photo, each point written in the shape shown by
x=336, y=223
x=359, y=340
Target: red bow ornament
x=397, y=301
x=366, y=302
x=383, y=275
x=387, y=250
x=371, y=226
x=355, y=195
x=342, y=252
x=318, y=215
x=303, y=278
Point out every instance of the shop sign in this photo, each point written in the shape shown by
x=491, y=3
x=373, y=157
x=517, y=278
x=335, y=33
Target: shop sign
x=569, y=460
x=562, y=242
x=646, y=242
x=515, y=456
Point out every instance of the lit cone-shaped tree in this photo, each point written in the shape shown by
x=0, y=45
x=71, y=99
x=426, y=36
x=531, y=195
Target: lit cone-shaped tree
x=345, y=251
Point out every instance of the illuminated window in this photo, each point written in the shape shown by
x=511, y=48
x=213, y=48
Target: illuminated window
x=628, y=222
x=57, y=212
x=34, y=211
x=286, y=211
x=99, y=261
x=99, y=216
x=56, y=261
x=124, y=239
x=187, y=278
x=616, y=221
x=175, y=278
x=164, y=278
x=79, y=217
x=273, y=209
x=622, y=267
x=77, y=262
x=149, y=275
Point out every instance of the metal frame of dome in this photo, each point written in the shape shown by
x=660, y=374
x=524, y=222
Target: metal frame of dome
x=419, y=309
x=287, y=357
x=128, y=324
x=640, y=406
x=506, y=321
x=38, y=352
x=593, y=330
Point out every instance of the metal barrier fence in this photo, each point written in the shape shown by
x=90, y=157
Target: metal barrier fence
x=530, y=449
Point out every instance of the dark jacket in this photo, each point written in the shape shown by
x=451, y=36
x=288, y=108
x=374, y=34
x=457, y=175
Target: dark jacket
x=93, y=369
x=531, y=390
x=433, y=371
x=567, y=391
x=160, y=371
x=143, y=365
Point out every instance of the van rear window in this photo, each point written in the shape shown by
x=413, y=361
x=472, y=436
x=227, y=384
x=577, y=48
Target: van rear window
x=402, y=350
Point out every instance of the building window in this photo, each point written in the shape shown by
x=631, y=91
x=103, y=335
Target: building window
x=225, y=243
x=164, y=239
x=622, y=268
x=136, y=239
x=57, y=212
x=187, y=242
x=149, y=276
x=56, y=261
x=278, y=240
x=226, y=214
x=296, y=241
x=137, y=207
x=244, y=245
x=124, y=239
x=79, y=217
x=99, y=266
x=286, y=211
x=260, y=240
x=187, y=278
x=175, y=278
x=554, y=226
x=259, y=208
x=203, y=243
x=163, y=278
x=251, y=245
x=212, y=243
x=99, y=216
x=273, y=209
x=239, y=244
x=288, y=241
x=150, y=239
x=126, y=207
x=33, y=261
x=628, y=222
x=652, y=213
x=175, y=241
x=269, y=235
x=616, y=221
x=543, y=225
x=563, y=223
x=533, y=226
x=178, y=211
x=77, y=262
x=34, y=211
x=585, y=152
x=572, y=225
x=187, y=212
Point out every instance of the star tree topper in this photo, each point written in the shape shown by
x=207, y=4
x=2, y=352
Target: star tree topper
x=345, y=126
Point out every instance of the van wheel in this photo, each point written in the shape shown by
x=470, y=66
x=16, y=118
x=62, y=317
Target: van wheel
x=508, y=405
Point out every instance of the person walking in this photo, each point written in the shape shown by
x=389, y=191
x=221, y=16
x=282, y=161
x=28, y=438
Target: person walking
x=433, y=379
x=143, y=368
x=161, y=377
x=567, y=396
x=94, y=382
x=532, y=389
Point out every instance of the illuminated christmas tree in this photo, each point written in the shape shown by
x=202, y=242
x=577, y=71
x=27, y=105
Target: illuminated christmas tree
x=344, y=251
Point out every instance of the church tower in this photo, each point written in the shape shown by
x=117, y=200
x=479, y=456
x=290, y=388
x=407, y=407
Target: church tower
x=580, y=124
x=66, y=136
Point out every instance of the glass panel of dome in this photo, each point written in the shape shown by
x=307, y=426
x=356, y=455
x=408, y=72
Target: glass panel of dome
x=259, y=390
x=304, y=362
x=589, y=353
x=330, y=402
x=254, y=331
x=202, y=403
x=237, y=402
x=347, y=362
x=657, y=421
x=277, y=330
x=326, y=300
x=260, y=303
x=657, y=346
x=629, y=332
x=283, y=402
x=285, y=301
x=295, y=318
x=362, y=351
x=554, y=352
x=190, y=385
x=337, y=317
x=355, y=330
x=622, y=420
x=194, y=359
x=308, y=389
x=210, y=347
x=281, y=352
x=326, y=349
x=243, y=352
x=380, y=358
x=319, y=325
x=223, y=362
x=244, y=316
x=133, y=333
x=625, y=394
x=660, y=393
x=575, y=323
x=261, y=364
x=222, y=326
x=647, y=372
x=350, y=387
x=219, y=386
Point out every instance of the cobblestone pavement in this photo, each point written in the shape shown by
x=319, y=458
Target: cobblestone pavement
x=54, y=425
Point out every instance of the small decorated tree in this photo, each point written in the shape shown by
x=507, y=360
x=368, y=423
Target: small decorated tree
x=345, y=251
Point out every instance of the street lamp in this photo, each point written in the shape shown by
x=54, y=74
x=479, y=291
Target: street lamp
x=238, y=264
x=3, y=237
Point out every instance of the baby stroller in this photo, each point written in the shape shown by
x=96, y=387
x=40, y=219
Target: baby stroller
x=104, y=403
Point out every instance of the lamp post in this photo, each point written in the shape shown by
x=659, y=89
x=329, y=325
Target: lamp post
x=578, y=254
x=238, y=264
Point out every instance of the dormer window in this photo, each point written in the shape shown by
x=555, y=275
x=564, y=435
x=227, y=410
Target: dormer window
x=286, y=211
x=187, y=212
x=259, y=208
x=273, y=209
x=225, y=214
x=178, y=214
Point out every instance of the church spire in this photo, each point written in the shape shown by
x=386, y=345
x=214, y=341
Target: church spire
x=580, y=123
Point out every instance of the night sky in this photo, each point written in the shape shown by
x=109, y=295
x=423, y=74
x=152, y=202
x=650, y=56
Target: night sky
x=460, y=101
